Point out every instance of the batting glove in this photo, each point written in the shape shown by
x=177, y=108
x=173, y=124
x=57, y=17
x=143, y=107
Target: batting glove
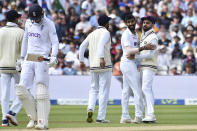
x=53, y=61
x=19, y=63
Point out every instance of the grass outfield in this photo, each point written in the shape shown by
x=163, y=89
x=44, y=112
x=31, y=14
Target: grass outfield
x=75, y=116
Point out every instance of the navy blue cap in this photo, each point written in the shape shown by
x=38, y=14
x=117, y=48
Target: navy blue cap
x=35, y=12
x=11, y=15
x=103, y=20
x=150, y=18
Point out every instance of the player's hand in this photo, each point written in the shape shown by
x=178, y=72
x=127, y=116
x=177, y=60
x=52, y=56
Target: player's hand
x=102, y=63
x=82, y=65
x=148, y=47
x=19, y=63
x=130, y=57
x=53, y=61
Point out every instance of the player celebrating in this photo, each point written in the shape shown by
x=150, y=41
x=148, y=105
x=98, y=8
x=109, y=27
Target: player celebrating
x=11, y=37
x=148, y=66
x=40, y=36
x=99, y=42
x=129, y=42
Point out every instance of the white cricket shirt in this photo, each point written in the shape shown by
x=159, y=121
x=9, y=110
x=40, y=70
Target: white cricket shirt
x=39, y=38
x=128, y=39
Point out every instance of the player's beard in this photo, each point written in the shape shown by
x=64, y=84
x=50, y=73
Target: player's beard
x=146, y=29
x=132, y=28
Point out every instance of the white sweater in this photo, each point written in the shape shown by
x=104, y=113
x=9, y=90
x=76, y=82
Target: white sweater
x=11, y=37
x=99, y=42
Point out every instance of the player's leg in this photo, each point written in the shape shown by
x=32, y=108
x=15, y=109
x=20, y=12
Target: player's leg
x=133, y=80
x=104, y=88
x=23, y=93
x=42, y=94
x=5, y=96
x=147, y=80
x=125, y=117
x=93, y=94
x=16, y=105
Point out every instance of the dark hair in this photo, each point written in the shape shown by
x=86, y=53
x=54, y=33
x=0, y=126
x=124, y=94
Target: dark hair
x=128, y=17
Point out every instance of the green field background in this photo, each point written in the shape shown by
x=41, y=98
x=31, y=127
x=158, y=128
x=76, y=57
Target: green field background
x=75, y=116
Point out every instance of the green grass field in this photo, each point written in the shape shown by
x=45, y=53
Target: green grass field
x=75, y=116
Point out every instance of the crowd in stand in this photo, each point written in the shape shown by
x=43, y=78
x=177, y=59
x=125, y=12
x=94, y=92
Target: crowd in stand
x=176, y=28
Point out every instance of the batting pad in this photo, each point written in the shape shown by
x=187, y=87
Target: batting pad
x=28, y=101
x=43, y=104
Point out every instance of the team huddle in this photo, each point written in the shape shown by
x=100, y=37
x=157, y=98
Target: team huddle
x=31, y=49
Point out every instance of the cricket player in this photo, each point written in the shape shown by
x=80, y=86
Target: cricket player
x=11, y=37
x=99, y=42
x=148, y=59
x=130, y=43
x=39, y=37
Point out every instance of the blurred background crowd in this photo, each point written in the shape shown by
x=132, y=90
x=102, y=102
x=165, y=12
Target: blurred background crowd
x=176, y=28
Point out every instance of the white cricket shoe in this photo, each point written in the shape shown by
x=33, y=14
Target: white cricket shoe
x=123, y=120
x=31, y=124
x=149, y=118
x=12, y=119
x=137, y=120
x=40, y=126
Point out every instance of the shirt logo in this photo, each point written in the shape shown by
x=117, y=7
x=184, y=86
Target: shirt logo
x=37, y=35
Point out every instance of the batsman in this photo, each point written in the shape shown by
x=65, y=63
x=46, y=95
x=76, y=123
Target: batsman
x=39, y=38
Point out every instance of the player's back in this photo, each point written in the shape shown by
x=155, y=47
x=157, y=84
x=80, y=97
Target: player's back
x=10, y=45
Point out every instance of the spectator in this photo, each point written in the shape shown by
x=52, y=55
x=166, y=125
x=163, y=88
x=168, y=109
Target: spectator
x=173, y=71
x=88, y=7
x=57, y=70
x=188, y=44
x=163, y=40
x=188, y=69
x=177, y=53
x=73, y=55
x=163, y=58
x=190, y=58
x=76, y=6
x=69, y=70
x=177, y=32
x=82, y=25
x=189, y=19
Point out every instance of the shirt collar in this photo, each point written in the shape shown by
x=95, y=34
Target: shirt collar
x=147, y=32
x=130, y=31
x=11, y=24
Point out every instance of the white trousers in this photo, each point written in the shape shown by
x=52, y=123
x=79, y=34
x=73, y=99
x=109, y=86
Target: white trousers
x=100, y=84
x=5, y=94
x=147, y=81
x=34, y=72
x=131, y=83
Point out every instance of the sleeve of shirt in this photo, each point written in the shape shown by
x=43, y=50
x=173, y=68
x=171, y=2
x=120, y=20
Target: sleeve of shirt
x=125, y=40
x=82, y=49
x=149, y=53
x=105, y=38
x=25, y=42
x=54, y=39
